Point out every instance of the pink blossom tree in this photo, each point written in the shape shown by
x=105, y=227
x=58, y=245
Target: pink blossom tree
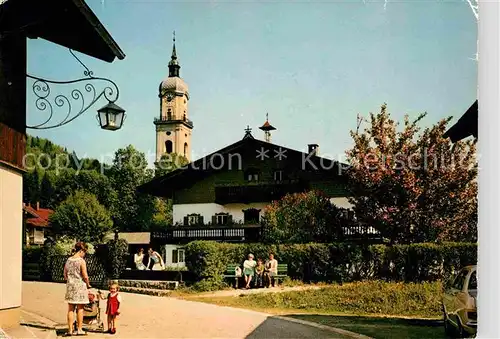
x=412, y=184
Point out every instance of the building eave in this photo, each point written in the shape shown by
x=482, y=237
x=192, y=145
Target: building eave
x=466, y=126
x=165, y=186
x=68, y=23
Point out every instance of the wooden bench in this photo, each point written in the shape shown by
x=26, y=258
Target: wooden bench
x=231, y=274
x=282, y=272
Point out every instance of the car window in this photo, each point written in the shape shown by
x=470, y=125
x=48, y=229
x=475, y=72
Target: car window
x=473, y=281
x=460, y=280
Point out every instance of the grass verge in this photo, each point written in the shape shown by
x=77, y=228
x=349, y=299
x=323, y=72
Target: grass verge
x=373, y=308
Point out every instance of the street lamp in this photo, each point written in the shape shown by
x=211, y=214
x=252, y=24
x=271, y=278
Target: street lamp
x=111, y=116
x=78, y=101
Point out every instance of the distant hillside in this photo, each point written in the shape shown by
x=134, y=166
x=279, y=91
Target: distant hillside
x=43, y=154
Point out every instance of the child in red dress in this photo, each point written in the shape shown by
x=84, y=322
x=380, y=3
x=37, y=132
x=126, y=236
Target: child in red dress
x=112, y=307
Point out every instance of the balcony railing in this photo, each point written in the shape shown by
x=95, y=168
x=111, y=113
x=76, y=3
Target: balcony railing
x=163, y=120
x=254, y=192
x=183, y=234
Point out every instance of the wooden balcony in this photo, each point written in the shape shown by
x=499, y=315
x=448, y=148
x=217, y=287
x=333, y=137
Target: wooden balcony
x=185, y=234
x=257, y=192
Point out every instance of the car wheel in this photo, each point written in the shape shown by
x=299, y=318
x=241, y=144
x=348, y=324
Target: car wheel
x=461, y=332
x=448, y=329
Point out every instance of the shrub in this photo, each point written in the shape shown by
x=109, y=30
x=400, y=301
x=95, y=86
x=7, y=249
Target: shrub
x=117, y=252
x=32, y=254
x=62, y=247
x=340, y=262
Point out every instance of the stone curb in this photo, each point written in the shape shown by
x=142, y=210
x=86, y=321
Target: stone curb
x=38, y=321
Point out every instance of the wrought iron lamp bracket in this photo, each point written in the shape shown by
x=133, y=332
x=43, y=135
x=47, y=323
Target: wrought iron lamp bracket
x=77, y=102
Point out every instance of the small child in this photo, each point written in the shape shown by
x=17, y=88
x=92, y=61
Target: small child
x=259, y=270
x=237, y=273
x=112, y=307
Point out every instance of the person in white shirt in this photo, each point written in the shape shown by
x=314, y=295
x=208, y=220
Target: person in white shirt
x=271, y=270
x=249, y=270
x=138, y=259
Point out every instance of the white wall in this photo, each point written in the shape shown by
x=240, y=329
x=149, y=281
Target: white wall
x=169, y=256
x=236, y=210
x=208, y=210
x=11, y=225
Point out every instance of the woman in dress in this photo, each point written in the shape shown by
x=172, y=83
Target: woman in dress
x=138, y=259
x=249, y=270
x=77, y=285
x=155, y=259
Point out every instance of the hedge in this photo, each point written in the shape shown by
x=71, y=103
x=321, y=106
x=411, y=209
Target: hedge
x=339, y=262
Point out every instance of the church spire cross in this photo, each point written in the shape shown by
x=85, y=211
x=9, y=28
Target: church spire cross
x=173, y=65
x=248, y=133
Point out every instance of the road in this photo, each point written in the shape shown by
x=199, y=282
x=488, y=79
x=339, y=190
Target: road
x=144, y=316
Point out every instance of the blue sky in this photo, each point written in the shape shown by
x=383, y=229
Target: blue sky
x=312, y=65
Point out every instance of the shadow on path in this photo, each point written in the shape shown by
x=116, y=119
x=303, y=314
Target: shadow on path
x=380, y=328
x=277, y=328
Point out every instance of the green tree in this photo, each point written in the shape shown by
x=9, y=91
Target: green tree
x=31, y=186
x=169, y=163
x=47, y=189
x=413, y=185
x=87, y=180
x=302, y=218
x=82, y=217
x=162, y=216
x=133, y=210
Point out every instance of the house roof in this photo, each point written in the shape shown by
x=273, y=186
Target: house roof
x=132, y=238
x=39, y=217
x=465, y=126
x=69, y=23
x=245, y=148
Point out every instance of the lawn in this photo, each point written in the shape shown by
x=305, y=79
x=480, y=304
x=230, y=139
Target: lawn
x=374, y=308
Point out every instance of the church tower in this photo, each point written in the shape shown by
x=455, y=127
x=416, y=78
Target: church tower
x=173, y=128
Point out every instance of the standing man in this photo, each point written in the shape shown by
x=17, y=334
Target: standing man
x=272, y=269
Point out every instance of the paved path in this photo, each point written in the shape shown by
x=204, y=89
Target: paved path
x=159, y=317
x=238, y=292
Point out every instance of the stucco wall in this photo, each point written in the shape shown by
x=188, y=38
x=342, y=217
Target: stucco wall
x=11, y=219
x=169, y=256
x=210, y=209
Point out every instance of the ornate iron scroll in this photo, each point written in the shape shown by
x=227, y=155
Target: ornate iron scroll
x=74, y=103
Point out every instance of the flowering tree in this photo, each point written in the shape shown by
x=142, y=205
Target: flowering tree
x=413, y=185
x=301, y=218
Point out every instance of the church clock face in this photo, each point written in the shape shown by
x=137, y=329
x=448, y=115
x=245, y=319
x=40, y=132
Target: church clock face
x=170, y=96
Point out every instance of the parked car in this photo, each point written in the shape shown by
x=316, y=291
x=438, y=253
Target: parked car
x=459, y=303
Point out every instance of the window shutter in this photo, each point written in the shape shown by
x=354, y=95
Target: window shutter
x=214, y=220
x=200, y=220
x=175, y=256
x=186, y=221
x=229, y=219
